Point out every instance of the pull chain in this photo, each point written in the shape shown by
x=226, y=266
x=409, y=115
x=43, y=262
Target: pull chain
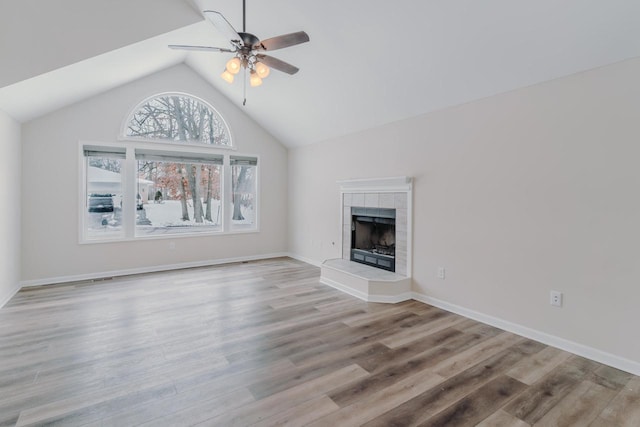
x=244, y=88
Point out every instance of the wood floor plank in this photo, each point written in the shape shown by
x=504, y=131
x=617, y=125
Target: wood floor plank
x=580, y=407
x=386, y=374
x=479, y=404
x=502, y=419
x=421, y=331
x=480, y=351
x=204, y=402
x=538, y=365
x=83, y=409
x=424, y=406
x=371, y=316
x=447, y=341
x=609, y=377
x=266, y=343
x=233, y=376
x=474, y=327
x=369, y=407
x=302, y=414
x=277, y=403
x=624, y=409
x=542, y=396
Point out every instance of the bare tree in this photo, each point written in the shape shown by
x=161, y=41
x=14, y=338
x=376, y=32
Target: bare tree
x=106, y=163
x=242, y=180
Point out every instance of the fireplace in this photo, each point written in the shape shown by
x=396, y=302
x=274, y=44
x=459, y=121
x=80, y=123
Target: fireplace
x=373, y=237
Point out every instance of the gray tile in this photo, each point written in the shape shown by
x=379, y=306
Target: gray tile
x=347, y=199
x=401, y=216
x=401, y=200
x=387, y=200
x=346, y=215
x=357, y=199
x=372, y=200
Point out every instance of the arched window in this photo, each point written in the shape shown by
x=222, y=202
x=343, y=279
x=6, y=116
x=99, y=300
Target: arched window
x=178, y=118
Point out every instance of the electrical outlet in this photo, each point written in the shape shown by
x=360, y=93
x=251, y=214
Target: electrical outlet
x=172, y=246
x=441, y=273
x=556, y=298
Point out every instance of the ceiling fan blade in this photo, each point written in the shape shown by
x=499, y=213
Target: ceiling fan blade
x=199, y=48
x=284, y=40
x=277, y=64
x=223, y=26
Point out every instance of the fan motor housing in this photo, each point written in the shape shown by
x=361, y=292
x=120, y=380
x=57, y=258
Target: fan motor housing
x=249, y=40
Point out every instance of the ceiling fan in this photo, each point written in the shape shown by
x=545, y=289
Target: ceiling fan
x=247, y=48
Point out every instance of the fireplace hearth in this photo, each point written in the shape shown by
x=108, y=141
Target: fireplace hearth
x=376, y=265
x=373, y=237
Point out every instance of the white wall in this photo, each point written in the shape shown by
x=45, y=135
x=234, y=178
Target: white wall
x=10, y=163
x=50, y=186
x=515, y=195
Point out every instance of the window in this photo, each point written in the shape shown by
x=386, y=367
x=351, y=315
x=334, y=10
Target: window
x=103, y=193
x=243, y=192
x=137, y=192
x=177, y=118
x=172, y=175
x=177, y=193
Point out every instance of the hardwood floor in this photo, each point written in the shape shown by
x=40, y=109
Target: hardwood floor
x=264, y=343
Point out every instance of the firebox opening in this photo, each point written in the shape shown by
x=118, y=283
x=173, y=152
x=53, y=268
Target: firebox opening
x=373, y=237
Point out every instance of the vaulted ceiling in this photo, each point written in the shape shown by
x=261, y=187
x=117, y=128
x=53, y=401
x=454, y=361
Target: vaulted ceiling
x=368, y=63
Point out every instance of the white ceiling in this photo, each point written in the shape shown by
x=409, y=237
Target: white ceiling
x=368, y=62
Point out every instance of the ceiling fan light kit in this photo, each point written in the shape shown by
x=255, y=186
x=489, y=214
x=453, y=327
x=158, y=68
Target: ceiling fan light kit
x=254, y=79
x=234, y=65
x=247, y=48
x=262, y=70
x=227, y=76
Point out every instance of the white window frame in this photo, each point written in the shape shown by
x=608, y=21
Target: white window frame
x=129, y=189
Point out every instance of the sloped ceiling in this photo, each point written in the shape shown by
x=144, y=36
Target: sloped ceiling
x=368, y=63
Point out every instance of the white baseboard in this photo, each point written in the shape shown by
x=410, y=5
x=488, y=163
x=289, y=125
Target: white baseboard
x=561, y=343
x=389, y=299
x=151, y=269
x=10, y=295
x=304, y=259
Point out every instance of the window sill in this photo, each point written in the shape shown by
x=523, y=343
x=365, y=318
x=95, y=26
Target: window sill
x=169, y=236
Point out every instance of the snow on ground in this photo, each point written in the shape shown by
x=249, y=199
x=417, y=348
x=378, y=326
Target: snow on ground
x=165, y=218
x=169, y=214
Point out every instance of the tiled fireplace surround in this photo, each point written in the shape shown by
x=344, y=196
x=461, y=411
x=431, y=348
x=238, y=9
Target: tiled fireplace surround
x=364, y=281
x=397, y=201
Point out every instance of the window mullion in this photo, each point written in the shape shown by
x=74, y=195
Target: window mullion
x=130, y=188
x=226, y=199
